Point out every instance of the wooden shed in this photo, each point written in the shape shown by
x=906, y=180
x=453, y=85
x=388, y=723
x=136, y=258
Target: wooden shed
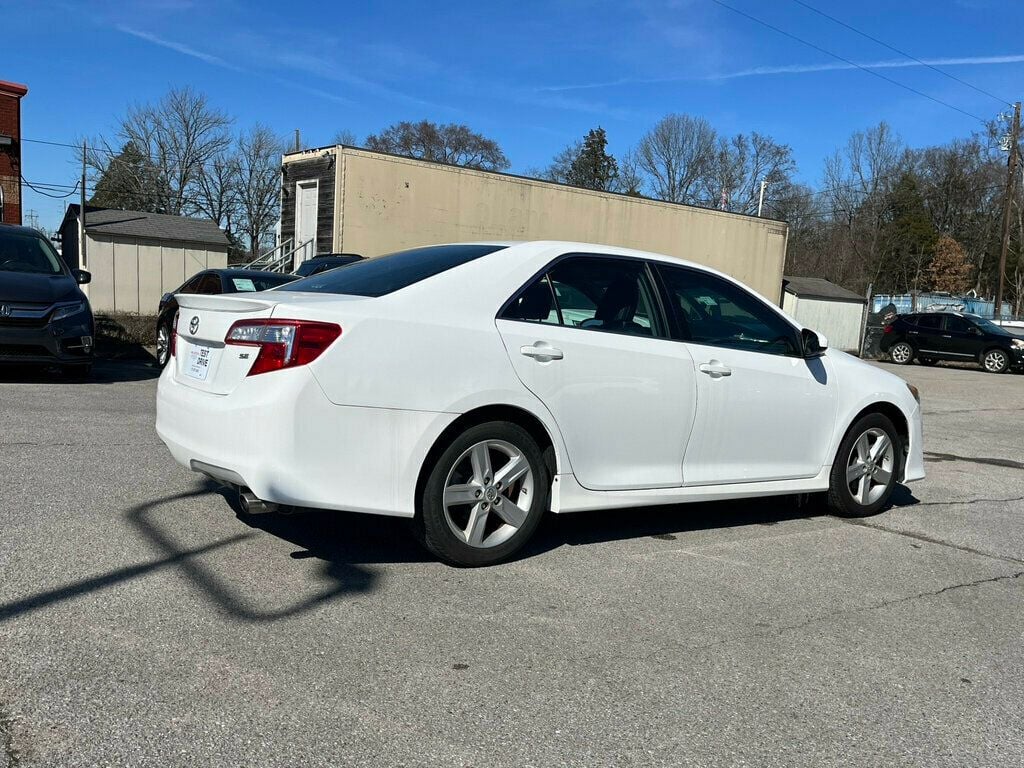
x=135, y=257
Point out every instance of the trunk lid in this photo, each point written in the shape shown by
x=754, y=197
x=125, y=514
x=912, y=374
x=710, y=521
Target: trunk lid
x=201, y=358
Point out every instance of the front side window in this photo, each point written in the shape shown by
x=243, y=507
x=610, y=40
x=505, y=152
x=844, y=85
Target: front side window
x=713, y=311
x=592, y=293
x=958, y=324
x=28, y=253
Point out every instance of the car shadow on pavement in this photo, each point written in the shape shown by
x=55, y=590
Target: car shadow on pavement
x=103, y=372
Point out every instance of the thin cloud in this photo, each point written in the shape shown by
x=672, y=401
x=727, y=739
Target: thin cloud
x=187, y=50
x=795, y=69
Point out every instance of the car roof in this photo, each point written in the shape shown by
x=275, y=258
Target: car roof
x=21, y=230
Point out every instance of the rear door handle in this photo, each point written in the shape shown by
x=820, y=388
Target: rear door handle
x=541, y=351
x=715, y=369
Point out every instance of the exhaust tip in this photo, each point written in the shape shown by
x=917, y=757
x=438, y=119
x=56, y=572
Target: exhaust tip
x=251, y=504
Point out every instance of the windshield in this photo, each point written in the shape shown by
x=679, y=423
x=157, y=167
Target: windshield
x=386, y=274
x=987, y=325
x=28, y=253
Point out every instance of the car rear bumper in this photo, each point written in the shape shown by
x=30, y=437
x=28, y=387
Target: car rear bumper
x=280, y=436
x=65, y=343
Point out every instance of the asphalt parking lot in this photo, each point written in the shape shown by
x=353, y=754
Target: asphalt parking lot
x=143, y=623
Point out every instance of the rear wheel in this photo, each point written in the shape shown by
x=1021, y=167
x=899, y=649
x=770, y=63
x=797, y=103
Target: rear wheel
x=163, y=344
x=484, y=496
x=995, y=361
x=866, y=468
x=901, y=353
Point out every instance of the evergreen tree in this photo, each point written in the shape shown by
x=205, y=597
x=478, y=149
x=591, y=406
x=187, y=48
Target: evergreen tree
x=129, y=181
x=908, y=235
x=593, y=167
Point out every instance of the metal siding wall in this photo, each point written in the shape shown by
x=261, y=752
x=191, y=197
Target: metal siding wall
x=150, y=277
x=101, y=267
x=393, y=203
x=172, y=268
x=126, y=276
x=839, y=321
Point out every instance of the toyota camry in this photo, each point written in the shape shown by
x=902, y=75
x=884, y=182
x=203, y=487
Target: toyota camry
x=473, y=387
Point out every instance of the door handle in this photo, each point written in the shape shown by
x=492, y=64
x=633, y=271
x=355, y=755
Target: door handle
x=715, y=369
x=946, y=336
x=541, y=351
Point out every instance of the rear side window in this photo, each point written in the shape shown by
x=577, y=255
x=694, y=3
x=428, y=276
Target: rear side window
x=387, y=274
x=593, y=293
x=930, y=322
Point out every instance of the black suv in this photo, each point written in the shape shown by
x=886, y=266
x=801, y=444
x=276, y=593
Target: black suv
x=934, y=336
x=44, y=316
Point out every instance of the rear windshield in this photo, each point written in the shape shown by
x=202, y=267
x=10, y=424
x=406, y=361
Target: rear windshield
x=249, y=283
x=386, y=274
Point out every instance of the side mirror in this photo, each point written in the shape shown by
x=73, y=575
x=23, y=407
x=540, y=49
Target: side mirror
x=814, y=343
x=81, y=276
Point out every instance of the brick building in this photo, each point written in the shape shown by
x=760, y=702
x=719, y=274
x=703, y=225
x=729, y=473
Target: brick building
x=10, y=151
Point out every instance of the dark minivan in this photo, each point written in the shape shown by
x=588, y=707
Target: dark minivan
x=933, y=336
x=44, y=316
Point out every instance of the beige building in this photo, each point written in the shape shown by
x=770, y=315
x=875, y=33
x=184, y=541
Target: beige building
x=135, y=257
x=339, y=199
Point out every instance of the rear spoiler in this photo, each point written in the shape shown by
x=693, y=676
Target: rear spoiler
x=223, y=303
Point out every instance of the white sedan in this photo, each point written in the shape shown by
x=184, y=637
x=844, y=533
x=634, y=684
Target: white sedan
x=473, y=387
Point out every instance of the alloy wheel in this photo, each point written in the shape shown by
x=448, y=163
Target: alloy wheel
x=488, y=493
x=995, y=361
x=901, y=353
x=163, y=344
x=870, y=467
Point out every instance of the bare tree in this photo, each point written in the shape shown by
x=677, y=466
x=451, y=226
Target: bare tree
x=347, y=138
x=215, y=193
x=740, y=164
x=451, y=143
x=676, y=154
x=258, y=186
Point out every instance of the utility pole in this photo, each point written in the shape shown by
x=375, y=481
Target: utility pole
x=82, y=262
x=1011, y=177
x=760, y=200
x=298, y=142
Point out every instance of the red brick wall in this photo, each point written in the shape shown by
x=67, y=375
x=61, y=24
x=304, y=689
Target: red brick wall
x=10, y=156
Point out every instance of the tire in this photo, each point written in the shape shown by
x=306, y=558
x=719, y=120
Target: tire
x=854, y=492
x=901, y=353
x=995, y=360
x=482, y=523
x=163, y=344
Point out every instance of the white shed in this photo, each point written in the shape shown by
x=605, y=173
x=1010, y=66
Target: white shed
x=135, y=257
x=825, y=307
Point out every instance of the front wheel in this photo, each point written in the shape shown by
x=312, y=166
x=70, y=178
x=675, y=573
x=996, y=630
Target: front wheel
x=484, y=496
x=995, y=361
x=866, y=469
x=901, y=353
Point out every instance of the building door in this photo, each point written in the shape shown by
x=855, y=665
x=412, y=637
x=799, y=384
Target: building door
x=307, y=195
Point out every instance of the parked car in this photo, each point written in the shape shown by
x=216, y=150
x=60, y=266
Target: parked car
x=326, y=261
x=209, y=282
x=932, y=336
x=44, y=316
x=449, y=385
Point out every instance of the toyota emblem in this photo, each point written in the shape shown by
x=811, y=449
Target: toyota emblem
x=193, y=324
x=5, y=310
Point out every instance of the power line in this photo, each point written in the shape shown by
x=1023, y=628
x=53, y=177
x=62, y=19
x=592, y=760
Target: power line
x=28, y=184
x=894, y=49
x=843, y=59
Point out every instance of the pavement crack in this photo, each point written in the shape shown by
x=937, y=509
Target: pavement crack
x=937, y=541
x=1009, y=463
x=7, y=738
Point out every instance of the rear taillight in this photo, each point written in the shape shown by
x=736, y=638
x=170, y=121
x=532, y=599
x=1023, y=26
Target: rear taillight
x=887, y=329
x=172, y=343
x=283, y=343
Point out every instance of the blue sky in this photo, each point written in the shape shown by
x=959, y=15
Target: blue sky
x=533, y=75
